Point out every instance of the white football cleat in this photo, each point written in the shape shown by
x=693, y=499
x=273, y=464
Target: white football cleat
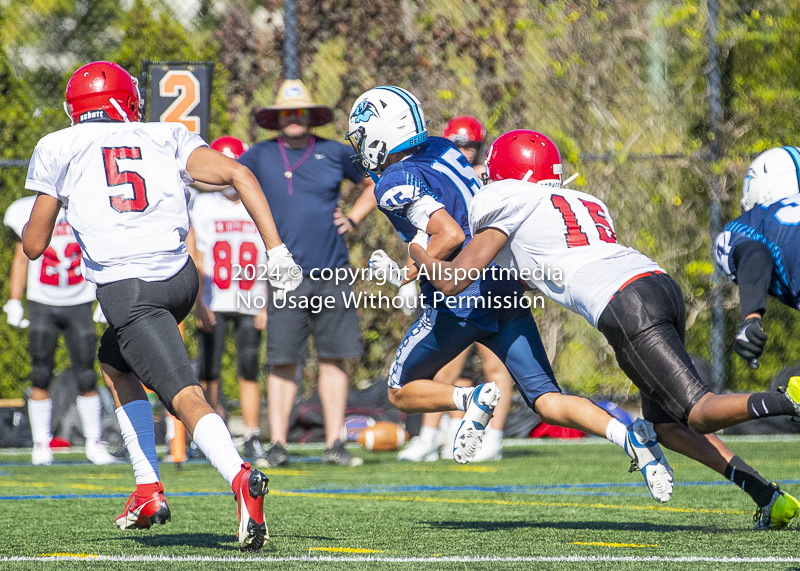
x=478, y=413
x=419, y=450
x=646, y=455
x=41, y=455
x=98, y=454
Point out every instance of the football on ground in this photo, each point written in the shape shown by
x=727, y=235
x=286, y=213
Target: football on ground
x=382, y=436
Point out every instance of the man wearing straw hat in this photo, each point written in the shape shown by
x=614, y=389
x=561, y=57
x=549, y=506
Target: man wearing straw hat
x=301, y=175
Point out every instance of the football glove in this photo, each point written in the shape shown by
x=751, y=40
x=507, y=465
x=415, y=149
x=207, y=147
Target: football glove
x=15, y=314
x=751, y=339
x=98, y=316
x=420, y=238
x=283, y=273
x=384, y=269
x=410, y=296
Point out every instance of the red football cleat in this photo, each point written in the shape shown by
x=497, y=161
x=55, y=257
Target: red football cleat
x=250, y=487
x=146, y=506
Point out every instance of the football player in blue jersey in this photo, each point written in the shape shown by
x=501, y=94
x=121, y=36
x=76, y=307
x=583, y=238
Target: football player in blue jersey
x=425, y=190
x=760, y=251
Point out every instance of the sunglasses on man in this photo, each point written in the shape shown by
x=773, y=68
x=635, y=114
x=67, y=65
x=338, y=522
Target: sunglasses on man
x=294, y=112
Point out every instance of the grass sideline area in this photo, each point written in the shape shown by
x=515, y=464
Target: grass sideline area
x=560, y=506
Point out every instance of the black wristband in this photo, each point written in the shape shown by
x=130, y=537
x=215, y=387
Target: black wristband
x=350, y=220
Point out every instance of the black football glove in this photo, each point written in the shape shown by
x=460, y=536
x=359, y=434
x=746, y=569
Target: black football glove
x=751, y=339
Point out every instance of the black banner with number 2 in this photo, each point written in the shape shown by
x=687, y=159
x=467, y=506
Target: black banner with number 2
x=180, y=92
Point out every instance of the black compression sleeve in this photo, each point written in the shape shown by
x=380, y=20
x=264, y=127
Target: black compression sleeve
x=753, y=272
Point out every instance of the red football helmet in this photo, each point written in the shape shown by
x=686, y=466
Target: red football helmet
x=230, y=147
x=464, y=131
x=524, y=155
x=103, y=86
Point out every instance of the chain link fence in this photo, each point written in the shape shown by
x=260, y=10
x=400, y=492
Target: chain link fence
x=620, y=86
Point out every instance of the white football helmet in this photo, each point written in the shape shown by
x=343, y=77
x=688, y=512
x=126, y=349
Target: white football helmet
x=772, y=176
x=385, y=120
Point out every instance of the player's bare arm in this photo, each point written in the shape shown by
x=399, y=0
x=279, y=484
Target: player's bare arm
x=205, y=187
x=478, y=254
x=205, y=318
x=445, y=236
x=19, y=273
x=208, y=166
x=363, y=205
x=39, y=229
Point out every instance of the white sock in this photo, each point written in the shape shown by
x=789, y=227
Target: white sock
x=492, y=435
x=214, y=441
x=250, y=431
x=169, y=420
x=459, y=394
x=617, y=432
x=40, y=414
x=138, y=431
x=90, y=410
x=428, y=434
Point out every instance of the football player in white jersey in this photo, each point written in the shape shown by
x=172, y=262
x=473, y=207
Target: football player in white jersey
x=229, y=262
x=123, y=184
x=562, y=242
x=59, y=300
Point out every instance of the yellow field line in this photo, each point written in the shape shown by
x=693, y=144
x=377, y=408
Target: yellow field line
x=77, y=555
x=489, y=469
x=95, y=476
x=500, y=502
x=287, y=472
x=603, y=544
x=25, y=484
x=415, y=468
x=344, y=550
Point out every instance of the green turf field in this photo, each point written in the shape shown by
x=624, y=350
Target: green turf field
x=557, y=506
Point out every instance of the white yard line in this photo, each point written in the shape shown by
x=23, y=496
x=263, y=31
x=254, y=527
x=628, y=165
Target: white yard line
x=370, y=559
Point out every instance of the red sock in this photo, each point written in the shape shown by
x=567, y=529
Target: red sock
x=149, y=489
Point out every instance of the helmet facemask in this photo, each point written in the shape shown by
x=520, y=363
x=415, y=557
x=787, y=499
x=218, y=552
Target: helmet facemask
x=356, y=138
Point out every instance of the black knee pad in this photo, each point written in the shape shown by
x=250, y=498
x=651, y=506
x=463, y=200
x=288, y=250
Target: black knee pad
x=87, y=381
x=248, y=363
x=168, y=389
x=41, y=376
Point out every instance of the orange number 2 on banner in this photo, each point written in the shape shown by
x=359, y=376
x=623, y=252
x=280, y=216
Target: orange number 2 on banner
x=184, y=86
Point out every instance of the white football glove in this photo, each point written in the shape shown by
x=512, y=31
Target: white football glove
x=98, y=316
x=420, y=238
x=15, y=314
x=384, y=268
x=283, y=273
x=410, y=297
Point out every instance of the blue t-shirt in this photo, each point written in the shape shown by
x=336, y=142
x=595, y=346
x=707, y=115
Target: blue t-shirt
x=304, y=218
x=439, y=170
x=778, y=227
